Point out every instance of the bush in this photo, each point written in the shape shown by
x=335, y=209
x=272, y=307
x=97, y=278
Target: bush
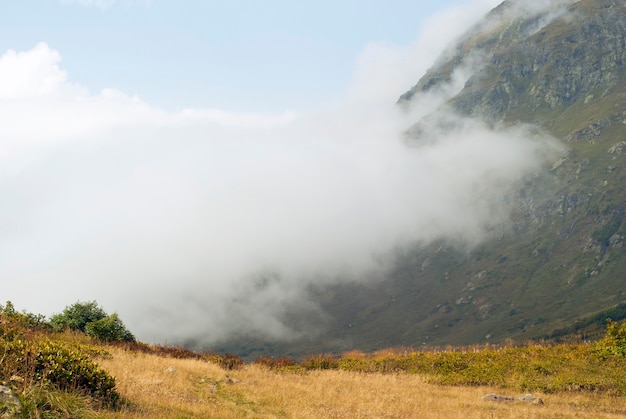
x=68, y=369
x=77, y=316
x=26, y=319
x=91, y=319
x=275, y=364
x=109, y=329
x=320, y=362
x=34, y=360
x=614, y=342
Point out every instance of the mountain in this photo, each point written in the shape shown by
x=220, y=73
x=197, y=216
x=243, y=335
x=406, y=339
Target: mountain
x=560, y=265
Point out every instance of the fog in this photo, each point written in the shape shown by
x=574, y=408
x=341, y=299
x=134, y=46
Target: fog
x=204, y=224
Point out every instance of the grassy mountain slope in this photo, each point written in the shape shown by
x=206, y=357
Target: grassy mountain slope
x=162, y=387
x=47, y=374
x=563, y=259
x=560, y=265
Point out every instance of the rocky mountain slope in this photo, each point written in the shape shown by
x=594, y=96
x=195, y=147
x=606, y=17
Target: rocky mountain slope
x=529, y=68
x=561, y=264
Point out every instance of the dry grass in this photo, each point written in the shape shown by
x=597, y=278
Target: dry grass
x=158, y=387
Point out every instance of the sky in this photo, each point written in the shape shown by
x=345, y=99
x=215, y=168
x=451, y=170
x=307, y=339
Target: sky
x=245, y=55
x=197, y=166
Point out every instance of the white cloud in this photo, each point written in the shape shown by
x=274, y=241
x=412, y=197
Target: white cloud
x=383, y=71
x=33, y=73
x=204, y=223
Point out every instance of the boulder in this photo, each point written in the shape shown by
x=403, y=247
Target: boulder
x=492, y=397
x=527, y=398
x=9, y=403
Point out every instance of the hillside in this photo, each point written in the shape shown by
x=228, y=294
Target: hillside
x=562, y=258
x=48, y=374
x=559, y=263
x=162, y=387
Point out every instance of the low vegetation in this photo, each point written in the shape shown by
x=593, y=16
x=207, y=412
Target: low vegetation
x=91, y=319
x=55, y=375
x=189, y=388
x=63, y=373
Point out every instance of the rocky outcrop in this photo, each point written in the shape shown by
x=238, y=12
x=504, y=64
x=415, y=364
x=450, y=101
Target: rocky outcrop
x=526, y=66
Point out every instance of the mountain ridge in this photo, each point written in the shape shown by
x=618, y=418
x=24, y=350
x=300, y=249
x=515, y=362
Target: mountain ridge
x=538, y=68
x=561, y=257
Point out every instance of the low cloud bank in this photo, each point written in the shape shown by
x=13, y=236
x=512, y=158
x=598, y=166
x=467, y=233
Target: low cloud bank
x=205, y=224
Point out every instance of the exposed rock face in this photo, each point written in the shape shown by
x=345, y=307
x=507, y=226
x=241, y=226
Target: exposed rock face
x=580, y=54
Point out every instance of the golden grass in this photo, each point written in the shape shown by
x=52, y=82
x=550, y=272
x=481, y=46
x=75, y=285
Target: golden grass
x=158, y=387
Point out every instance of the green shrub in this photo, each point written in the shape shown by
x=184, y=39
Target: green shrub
x=109, y=329
x=26, y=319
x=320, y=362
x=30, y=359
x=353, y=364
x=77, y=316
x=614, y=342
x=529, y=368
x=69, y=368
x=91, y=319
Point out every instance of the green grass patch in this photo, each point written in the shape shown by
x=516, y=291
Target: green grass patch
x=546, y=368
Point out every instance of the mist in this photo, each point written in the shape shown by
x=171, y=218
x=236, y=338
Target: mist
x=205, y=224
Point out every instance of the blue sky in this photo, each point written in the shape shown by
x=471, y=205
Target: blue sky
x=247, y=55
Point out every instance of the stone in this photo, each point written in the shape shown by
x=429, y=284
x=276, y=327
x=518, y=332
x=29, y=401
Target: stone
x=529, y=398
x=526, y=398
x=493, y=397
x=464, y=300
x=9, y=403
x=617, y=148
x=229, y=380
x=616, y=240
